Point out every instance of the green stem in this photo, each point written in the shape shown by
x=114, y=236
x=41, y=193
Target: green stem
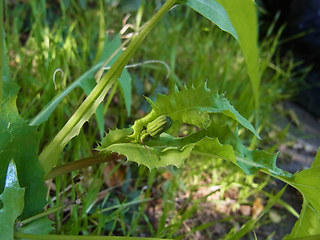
x=49, y=156
x=83, y=163
x=44, y=213
x=1, y=47
x=19, y=235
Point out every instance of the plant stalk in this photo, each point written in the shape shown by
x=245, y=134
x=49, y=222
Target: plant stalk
x=20, y=235
x=83, y=163
x=42, y=214
x=49, y=156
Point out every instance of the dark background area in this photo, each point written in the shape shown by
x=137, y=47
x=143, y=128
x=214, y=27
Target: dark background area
x=300, y=35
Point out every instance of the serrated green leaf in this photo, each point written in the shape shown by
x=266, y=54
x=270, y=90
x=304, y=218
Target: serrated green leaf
x=250, y=161
x=158, y=157
x=20, y=142
x=40, y=226
x=164, y=151
x=12, y=199
x=115, y=136
x=160, y=154
x=219, y=139
x=192, y=106
x=212, y=10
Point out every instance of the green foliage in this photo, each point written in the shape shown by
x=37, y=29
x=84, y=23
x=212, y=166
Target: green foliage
x=308, y=184
x=243, y=16
x=218, y=135
x=20, y=142
x=191, y=106
x=12, y=200
x=239, y=18
x=250, y=161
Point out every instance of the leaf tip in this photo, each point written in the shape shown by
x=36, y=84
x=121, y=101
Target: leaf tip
x=12, y=176
x=176, y=89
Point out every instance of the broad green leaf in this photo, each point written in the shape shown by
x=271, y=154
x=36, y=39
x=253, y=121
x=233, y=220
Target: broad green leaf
x=212, y=10
x=307, y=225
x=308, y=184
x=243, y=16
x=192, y=106
x=49, y=156
x=12, y=203
x=20, y=142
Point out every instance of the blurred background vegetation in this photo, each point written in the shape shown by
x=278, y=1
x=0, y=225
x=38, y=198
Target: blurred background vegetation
x=209, y=198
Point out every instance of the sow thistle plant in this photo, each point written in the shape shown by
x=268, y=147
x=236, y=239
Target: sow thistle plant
x=23, y=171
x=216, y=119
